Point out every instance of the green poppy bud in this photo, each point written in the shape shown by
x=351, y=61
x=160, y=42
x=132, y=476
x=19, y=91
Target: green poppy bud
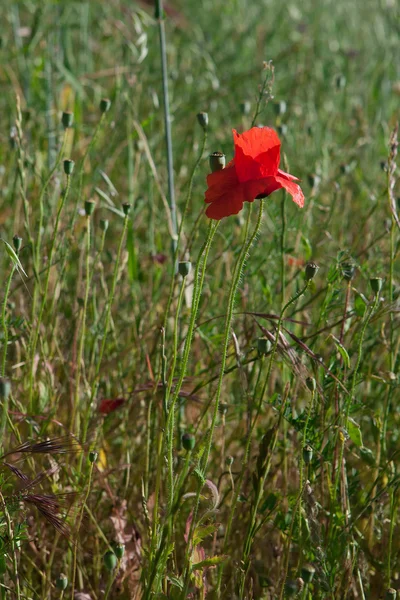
x=110, y=560
x=104, y=224
x=263, y=346
x=68, y=166
x=307, y=454
x=5, y=388
x=93, y=455
x=119, y=550
x=292, y=587
x=311, y=384
x=67, y=119
x=126, y=207
x=217, y=161
x=188, y=441
x=17, y=241
x=184, y=268
x=62, y=582
x=105, y=105
x=202, y=118
x=311, y=271
x=376, y=284
x=391, y=594
x=89, y=207
x=307, y=573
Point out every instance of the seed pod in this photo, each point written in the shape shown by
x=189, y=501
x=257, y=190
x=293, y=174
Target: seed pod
x=311, y=271
x=307, y=573
x=292, y=587
x=119, y=550
x=17, y=241
x=245, y=107
x=89, y=207
x=67, y=119
x=188, y=441
x=348, y=270
x=311, y=384
x=126, y=207
x=110, y=561
x=68, y=166
x=202, y=118
x=217, y=161
x=391, y=594
x=229, y=461
x=105, y=105
x=93, y=456
x=376, y=284
x=104, y=224
x=62, y=582
x=184, y=268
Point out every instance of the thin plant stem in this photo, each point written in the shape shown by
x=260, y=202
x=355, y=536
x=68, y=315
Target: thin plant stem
x=14, y=558
x=4, y=323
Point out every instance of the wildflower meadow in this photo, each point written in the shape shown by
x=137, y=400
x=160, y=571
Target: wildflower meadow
x=200, y=283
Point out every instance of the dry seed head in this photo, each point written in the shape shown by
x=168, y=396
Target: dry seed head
x=217, y=161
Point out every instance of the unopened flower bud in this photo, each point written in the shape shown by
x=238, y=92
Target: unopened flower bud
x=62, y=582
x=89, y=207
x=119, y=550
x=188, y=441
x=391, y=594
x=68, y=166
x=104, y=224
x=245, y=107
x=263, y=346
x=311, y=384
x=105, y=105
x=5, y=388
x=17, y=241
x=307, y=573
x=292, y=587
x=184, y=268
x=348, y=270
x=110, y=560
x=376, y=284
x=67, y=119
x=217, y=161
x=202, y=118
x=229, y=461
x=311, y=271
x=307, y=454
x=93, y=456
x=280, y=108
x=223, y=408
x=126, y=207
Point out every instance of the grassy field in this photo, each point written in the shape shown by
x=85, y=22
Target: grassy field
x=230, y=430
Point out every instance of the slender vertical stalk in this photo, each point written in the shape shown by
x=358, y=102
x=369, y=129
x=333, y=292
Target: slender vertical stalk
x=4, y=322
x=167, y=120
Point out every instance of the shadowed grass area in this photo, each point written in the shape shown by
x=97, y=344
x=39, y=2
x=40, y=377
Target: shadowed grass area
x=230, y=429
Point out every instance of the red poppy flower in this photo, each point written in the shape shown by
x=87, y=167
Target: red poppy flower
x=253, y=173
x=108, y=405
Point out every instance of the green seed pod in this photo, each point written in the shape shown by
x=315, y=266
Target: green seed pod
x=202, y=118
x=292, y=587
x=311, y=271
x=245, y=107
x=311, y=384
x=67, y=119
x=184, y=268
x=229, y=461
x=188, y=441
x=348, y=270
x=17, y=241
x=119, y=550
x=307, y=454
x=263, y=346
x=307, y=573
x=376, y=284
x=110, y=561
x=391, y=594
x=89, y=207
x=105, y=105
x=104, y=224
x=68, y=166
x=5, y=388
x=93, y=455
x=62, y=582
x=126, y=207
x=217, y=161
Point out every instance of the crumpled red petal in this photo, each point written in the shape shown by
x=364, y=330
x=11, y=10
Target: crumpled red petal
x=292, y=188
x=257, y=153
x=224, y=193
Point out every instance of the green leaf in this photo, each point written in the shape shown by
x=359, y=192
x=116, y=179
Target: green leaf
x=307, y=248
x=200, y=533
x=14, y=257
x=360, y=305
x=342, y=350
x=354, y=432
x=209, y=562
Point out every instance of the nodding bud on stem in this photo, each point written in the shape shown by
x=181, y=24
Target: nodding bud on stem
x=5, y=388
x=62, y=582
x=93, y=456
x=110, y=560
x=311, y=271
x=307, y=573
x=67, y=119
x=311, y=384
x=119, y=550
x=307, y=454
x=188, y=441
x=126, y=207
x=376, y=284
x=104, y=224
x=184, y=268
x=68, y=166
x=263, y=346
x=217, y=161
x=105, y=105
x=202, y=118
x=17, y=241
x=89, y=207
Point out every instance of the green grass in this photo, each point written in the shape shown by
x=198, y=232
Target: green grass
x=296, y=443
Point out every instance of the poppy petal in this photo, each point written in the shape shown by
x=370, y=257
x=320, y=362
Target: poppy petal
x=224, y=193
x=260, y=188
x=283, y=174
x=257, y=153
x=293, y=189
